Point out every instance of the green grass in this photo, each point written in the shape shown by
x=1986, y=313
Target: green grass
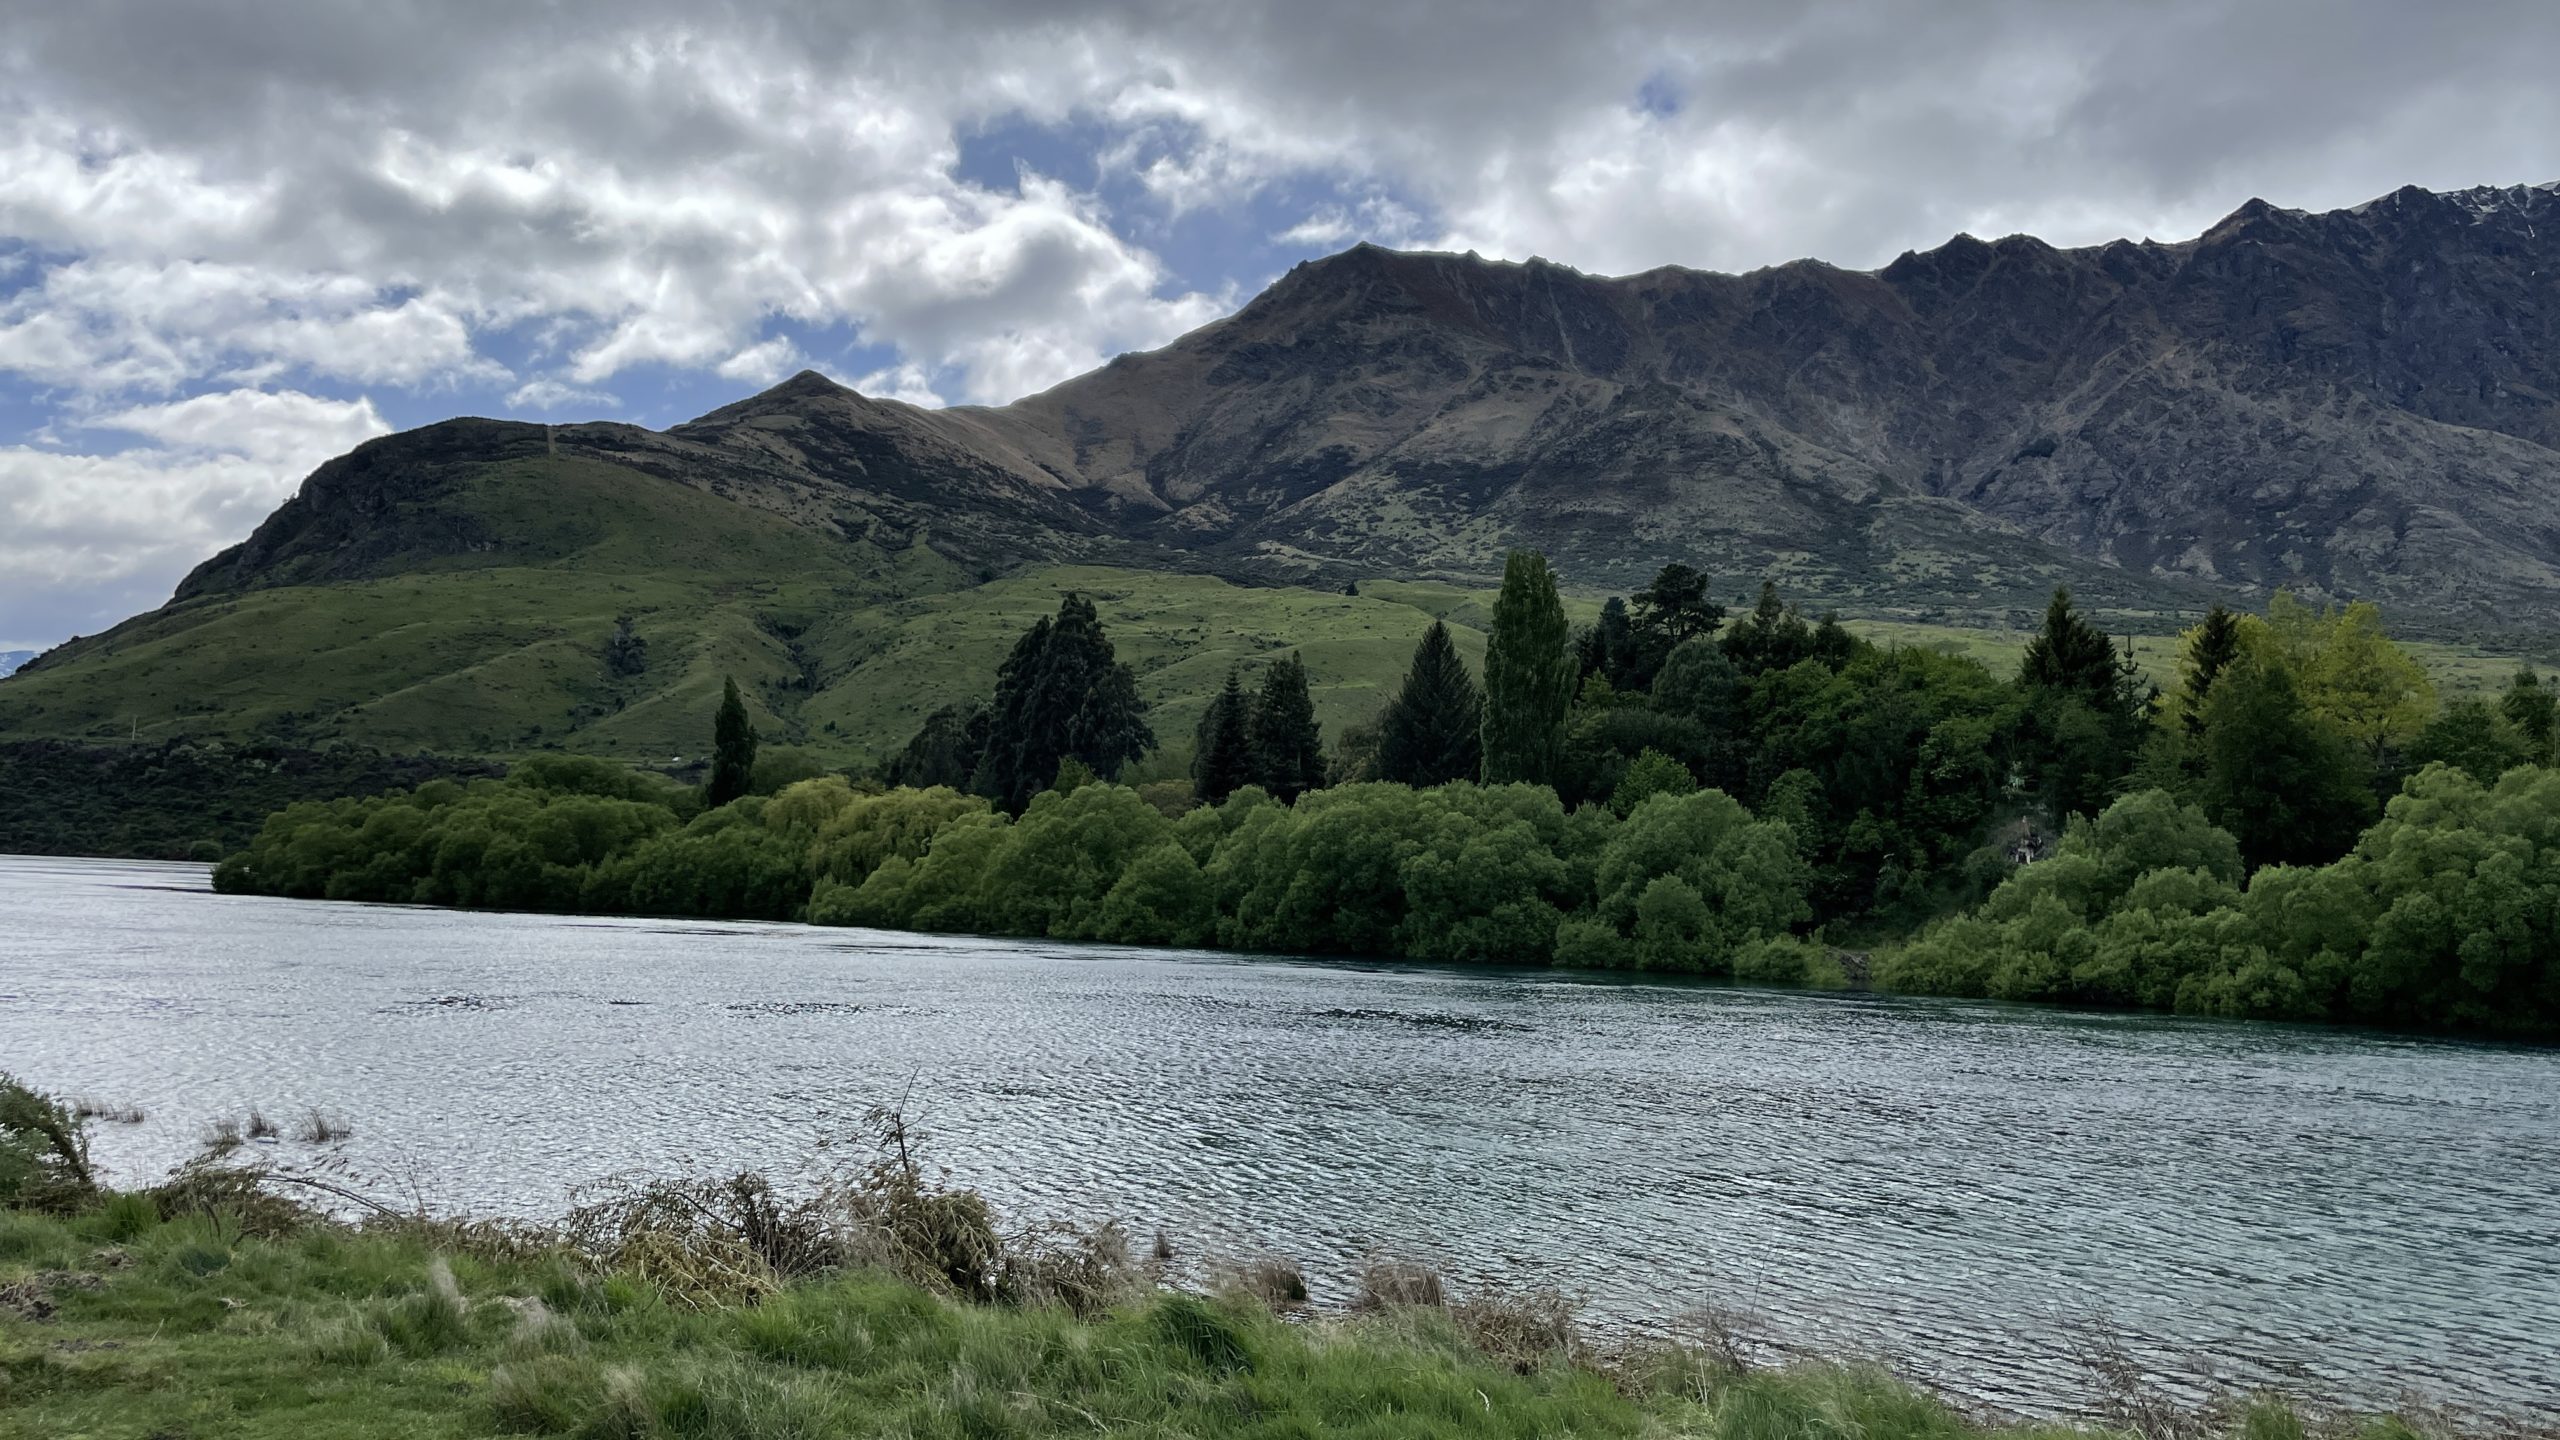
x=188, y=1329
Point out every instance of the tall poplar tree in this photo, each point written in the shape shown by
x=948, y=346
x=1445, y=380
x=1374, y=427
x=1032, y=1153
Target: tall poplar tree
x=1288, y=745
x=733, y=749
x=1432, y=732
x=1528, y=675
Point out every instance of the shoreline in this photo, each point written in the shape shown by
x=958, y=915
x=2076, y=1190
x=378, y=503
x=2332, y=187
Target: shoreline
x=242, y=1287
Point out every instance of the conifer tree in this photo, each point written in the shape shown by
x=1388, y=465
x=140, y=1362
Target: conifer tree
x=1676, y=606
x=1223, y=764
x=1288, y=745
x=1772, y=637
x=1528, y=675
x=1060, y=694
x=2211, y=648
x=2533, y=711
x=733, y=749
x=1431, y=733
x=2070, y=655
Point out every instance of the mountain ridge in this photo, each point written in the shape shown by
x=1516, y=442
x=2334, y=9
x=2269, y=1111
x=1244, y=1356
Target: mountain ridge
x=2357, y=403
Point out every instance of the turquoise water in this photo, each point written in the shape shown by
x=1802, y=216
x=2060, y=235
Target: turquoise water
x=1960, y=1189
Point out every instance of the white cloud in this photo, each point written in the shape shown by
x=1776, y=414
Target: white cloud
x=284, y=428
x=909, y=382
x=548, y=393
x=87, y=538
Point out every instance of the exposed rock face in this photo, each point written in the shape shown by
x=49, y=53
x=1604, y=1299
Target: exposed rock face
x=2360, y=403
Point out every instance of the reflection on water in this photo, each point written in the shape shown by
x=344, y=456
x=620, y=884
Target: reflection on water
x=1950, y=1186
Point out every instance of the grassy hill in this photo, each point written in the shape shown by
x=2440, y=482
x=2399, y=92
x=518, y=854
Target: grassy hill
x=497, y=646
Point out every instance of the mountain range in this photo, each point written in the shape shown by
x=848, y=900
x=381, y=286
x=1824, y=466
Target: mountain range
x=2362, y=403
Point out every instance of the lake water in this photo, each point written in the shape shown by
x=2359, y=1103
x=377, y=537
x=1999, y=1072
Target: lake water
x=1956, y=1188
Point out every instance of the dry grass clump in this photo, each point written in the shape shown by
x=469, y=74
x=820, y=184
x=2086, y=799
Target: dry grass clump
x=1275, y=1284
x=1523, y=1329
x=318, y=1128
x=90, y=1107
x=222, y=1134
x=260, y=1127
x=1387, y=1283
x=721, y=1242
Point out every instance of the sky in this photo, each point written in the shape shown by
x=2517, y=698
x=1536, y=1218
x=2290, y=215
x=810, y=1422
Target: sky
x=238, y=237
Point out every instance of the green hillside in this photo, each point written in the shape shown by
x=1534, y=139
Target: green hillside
x=843, y=646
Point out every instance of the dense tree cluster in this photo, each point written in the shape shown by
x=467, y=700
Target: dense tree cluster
x=2442, y=915
x=1269, y=739
x=1663, y=790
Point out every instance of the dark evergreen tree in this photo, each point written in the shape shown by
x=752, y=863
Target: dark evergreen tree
x=2288, y=788
x=1432, y=732
x=1832, y=644
x=1772, y=637
x=1223, y=763
x=1609, y=647
x=1288, y=745
x=625, y=653
x=2086, y=704
x=1060, y=694
x=2210, y=651
x=733, y=749
x=2070, y=655
x=945, y=750
x=1676, y=606
x=2533, y=711
x=1528, y=675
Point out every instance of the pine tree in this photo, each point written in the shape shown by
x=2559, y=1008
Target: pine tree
x=1223, y=764
x=2533, y=711
x=733, y=749
x=2070, y=655
x=1528, y=675
x=1288, y=745
x=2211, y=648
x=1431, y=733
x=1060, y=694
x=1677, y=607
x=1772, y=637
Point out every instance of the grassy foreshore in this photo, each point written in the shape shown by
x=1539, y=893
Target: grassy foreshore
x=881, y=1302
x=122, y=1324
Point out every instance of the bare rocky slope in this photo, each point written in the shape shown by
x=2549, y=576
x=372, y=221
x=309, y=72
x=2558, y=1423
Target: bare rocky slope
x=2358, y=404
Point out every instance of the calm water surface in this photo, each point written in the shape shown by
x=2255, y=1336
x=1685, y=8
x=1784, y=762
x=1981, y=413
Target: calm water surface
x=1951, y=1187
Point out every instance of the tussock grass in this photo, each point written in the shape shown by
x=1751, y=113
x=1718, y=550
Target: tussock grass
x=320, y=1128
x=90, y=1107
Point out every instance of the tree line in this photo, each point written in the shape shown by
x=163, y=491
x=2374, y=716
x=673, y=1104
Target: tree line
x=1666, y=788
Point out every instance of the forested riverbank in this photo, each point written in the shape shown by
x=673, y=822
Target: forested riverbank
x=1663, y=791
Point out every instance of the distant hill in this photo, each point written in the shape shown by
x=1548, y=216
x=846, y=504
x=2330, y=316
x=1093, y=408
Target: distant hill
x=2357, y=404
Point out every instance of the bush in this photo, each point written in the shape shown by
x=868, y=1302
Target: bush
x=44, y=1152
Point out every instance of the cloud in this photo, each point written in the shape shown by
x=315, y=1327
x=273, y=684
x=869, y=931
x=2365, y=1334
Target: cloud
x=86, y=539
x=549, y=394
x=485, y=203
